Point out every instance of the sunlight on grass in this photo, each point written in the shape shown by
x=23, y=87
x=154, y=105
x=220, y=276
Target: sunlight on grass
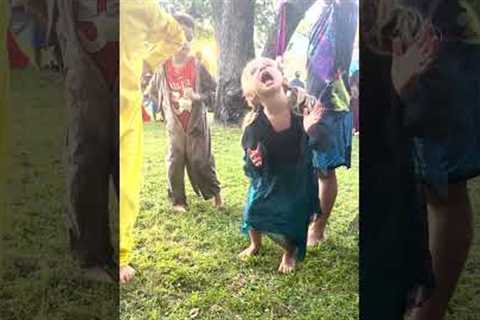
x=188, y=263
x=38, y=279
x=188, y=266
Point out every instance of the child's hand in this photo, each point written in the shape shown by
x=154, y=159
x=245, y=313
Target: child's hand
x=175, y=96
x=188, y=93
x=312, y=117
x=409, y=61
x=255, y=156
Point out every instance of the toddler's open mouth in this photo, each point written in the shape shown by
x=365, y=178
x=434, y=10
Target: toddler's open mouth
x=266, y=78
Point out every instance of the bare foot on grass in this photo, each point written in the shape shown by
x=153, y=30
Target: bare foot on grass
x=127, y=273
x=288, y=263
x=251, y=251
x=179, y=208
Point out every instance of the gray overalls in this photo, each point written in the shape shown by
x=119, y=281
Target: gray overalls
x=190, y=148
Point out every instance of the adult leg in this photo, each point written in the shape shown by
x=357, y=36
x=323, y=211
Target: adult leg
x=131, y=161
x=125, y=271
x=451, y=233
x=328, y=189
x=116, y=139
x=381, y=298
x=88, y=161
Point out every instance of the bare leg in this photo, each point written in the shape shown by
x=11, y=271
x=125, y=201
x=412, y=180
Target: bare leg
x=328, y=189
x=451, y=233
x=255, y=244
x=218, y=201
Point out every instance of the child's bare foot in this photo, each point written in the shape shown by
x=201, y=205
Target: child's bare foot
x=126, y=274
x=288, y=263
x=316, y=233
x=218, y=201
x=251, y=251
x=179, y=208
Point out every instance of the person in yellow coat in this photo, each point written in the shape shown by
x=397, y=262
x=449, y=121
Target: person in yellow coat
x=104, y=125
x=147, y=34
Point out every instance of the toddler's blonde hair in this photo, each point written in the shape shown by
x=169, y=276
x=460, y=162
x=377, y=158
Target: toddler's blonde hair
x=249, y=92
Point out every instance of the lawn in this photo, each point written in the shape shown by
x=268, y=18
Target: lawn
x=465, y=304
x=38, y=279
x=188, y=266
x=188, y=262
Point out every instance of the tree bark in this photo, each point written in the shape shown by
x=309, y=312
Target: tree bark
x=234, y=26
x=296, y=10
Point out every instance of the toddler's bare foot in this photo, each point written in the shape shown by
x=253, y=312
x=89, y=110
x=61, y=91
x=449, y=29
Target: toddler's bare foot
x=288, y=263
x=126, y=274
x=179, y=208
x=251, y=251
x=218, y=201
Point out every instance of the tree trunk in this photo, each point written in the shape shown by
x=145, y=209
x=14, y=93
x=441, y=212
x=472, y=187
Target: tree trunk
x=234, y=25
x=296, y=10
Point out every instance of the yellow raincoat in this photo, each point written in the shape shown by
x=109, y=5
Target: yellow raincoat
x=148, y=34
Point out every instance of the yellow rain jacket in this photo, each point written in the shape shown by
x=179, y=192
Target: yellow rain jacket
x=147, y=33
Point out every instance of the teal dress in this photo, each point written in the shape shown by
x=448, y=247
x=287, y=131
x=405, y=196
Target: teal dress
x=283, y=192
x=443, y=110
x=447, y=149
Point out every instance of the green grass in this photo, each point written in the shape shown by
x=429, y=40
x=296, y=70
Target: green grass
x=465, y=305
x=38, y=279
x=188, y=266
x=188, y=263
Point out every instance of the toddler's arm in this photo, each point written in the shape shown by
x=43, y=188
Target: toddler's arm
x=254, y=154
x=313, y=118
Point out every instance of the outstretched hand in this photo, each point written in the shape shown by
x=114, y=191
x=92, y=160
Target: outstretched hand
x=190, y=94
x=255, y=156
x=411, y=61
x=310, y=118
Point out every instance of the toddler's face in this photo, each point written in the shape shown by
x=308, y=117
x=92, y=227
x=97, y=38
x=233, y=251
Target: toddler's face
x=184, y=50
x=266, y=77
